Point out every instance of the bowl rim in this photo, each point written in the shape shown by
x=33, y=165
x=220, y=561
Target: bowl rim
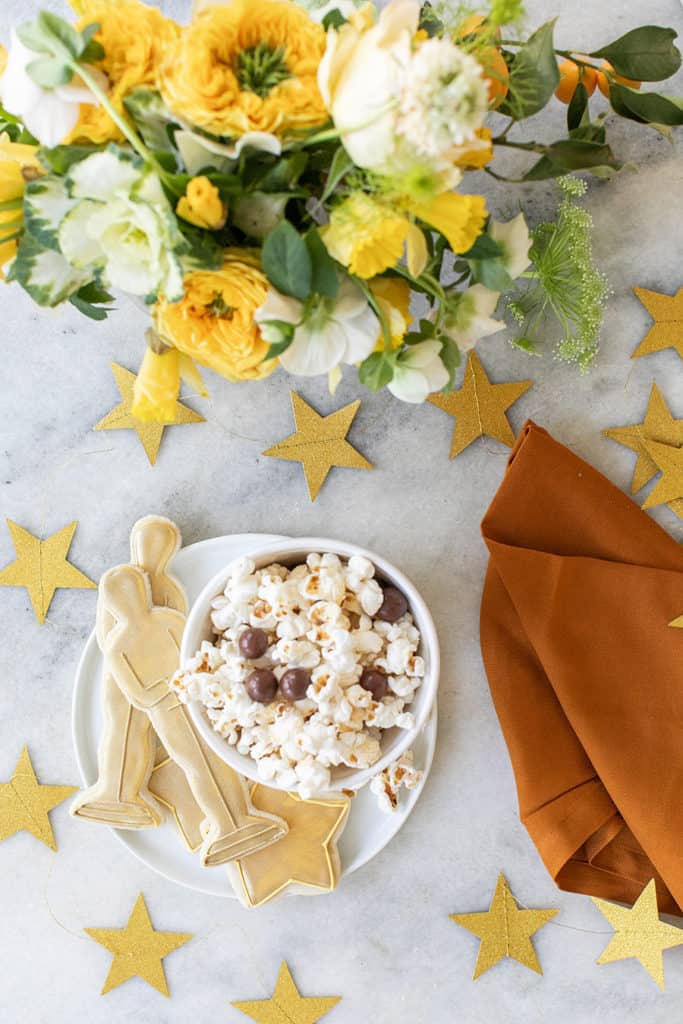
x=198, y=614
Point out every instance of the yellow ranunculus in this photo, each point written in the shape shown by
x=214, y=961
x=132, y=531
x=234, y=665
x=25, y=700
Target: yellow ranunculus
x=214, y=322
x=17, y=163
x=247, y=66
x=365, y=235
x=393, y=298
x=202, y=205
x=135, y=38
x=460, y=219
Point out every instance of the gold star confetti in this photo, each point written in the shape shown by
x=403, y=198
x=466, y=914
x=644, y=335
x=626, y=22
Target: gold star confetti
x=639, y=933
x=138, y=949
x=479, y=407
x=658, y=425
x=667, y=330
x=677, y=623
x=286, y=1005
x=668, y=490
x=308, y=853
x=505, y=930
x=121, y=418
x=319, y=443
x=42, y=567
x=25, y=803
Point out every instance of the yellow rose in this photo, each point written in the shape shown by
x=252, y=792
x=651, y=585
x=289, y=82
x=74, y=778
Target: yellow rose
x=18, y=163
x=214, y=322
x=202, y=205
x=135, y=38
x=249, y=66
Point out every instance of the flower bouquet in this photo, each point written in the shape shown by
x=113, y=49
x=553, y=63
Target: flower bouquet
x=276, y=182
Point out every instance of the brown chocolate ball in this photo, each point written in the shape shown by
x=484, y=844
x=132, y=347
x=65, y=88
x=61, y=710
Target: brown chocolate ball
x=261, y=685
x=374, y=681
x=253, y=643
x=393, y=607
x=294, y=683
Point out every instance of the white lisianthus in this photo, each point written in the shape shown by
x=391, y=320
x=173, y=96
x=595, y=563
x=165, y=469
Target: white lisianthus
x=362, y=75
x=471, y=318
x=327, y=332
x=514, y=239
x=418, y=372
x=122, y=225
x=49, y=114
x=444, y=99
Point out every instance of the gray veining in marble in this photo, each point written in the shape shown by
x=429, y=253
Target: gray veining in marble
x=384, y=940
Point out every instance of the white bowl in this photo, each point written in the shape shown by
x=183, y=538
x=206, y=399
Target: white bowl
x=394, y=742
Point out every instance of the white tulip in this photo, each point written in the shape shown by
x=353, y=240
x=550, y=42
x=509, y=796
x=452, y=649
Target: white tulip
x=514, y=239
x=333, y=331
x=49, y=114
x=419, y=372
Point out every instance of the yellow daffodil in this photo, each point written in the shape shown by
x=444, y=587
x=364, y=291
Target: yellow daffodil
x=246, y=66
x=214, y=322
x=202, y=205
x=393, y=298
x=476, y=154
x=134, y=37
x=18, y=163
x=460, y=219
x=365, y=235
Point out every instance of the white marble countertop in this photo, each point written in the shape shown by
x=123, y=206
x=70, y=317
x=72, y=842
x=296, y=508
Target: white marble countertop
x=383, y=941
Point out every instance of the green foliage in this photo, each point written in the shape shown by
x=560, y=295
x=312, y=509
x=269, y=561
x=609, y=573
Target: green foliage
x=646, y=107
x=91, y=300
x=151, y=118
x=286, y=332
x=533, y=75
x=324, y=276
x=47, y=277
x=647, y=54
x=61, y=48
x=377, y=370
x=286, y=261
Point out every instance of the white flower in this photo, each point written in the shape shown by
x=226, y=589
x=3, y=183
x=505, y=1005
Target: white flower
x=199, y=152
x=471, y=319
x=362, y=74
x=444, y=100
x=49, y=114
x=122, y=225
x=332, y=331
x=419, y=371
x=514, y=239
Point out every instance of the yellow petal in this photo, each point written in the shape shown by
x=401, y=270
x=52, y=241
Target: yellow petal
x=416, y=250
x=333, y=378
x=192, y=377
x=157, y=387
x=460, y=219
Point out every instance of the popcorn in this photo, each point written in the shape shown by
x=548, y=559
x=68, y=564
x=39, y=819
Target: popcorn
x=386, y=786
x=316, y=617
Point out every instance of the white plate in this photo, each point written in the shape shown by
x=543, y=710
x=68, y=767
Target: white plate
x=368, y=829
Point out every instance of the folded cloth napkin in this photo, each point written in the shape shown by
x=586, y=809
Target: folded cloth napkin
x=586, y=673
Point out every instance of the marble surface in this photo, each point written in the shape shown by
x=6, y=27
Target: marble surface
x=383, y=941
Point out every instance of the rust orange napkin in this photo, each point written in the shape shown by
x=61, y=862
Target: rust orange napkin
x=585, y=672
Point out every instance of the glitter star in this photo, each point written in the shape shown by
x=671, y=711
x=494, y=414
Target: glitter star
x=287, y=1006
x=667, y=330
x=25, y=803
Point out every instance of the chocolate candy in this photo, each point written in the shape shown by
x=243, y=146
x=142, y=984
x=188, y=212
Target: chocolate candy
x=374, y=681
x=261, y=685
x=294, y=683
x=253, y=643
x=393, y=607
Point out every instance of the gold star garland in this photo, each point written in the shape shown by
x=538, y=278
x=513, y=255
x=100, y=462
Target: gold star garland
x=287, y=1005
x=667, y=330
x=25, y=803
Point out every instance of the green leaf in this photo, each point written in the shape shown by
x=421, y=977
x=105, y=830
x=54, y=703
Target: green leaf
x=93, y=52
x=647, y=54
x=62, y=35
x=571, y=155
x=333, y=19
x=286, y=261
x=49, y=72
x=577, y=107
x=324, y=277
x=87, y=308
x=451, y=359
x=341, y=165
x=46, y=204
x=204, y=250
x=95, y=293
x=47, y=277
x=645, y=107
x=151, y=117
x=376, y=371
x=491, y=273
x=276, y=348
x=60, y=158
x=33, y=36
x=484, y=248
x=534, y=75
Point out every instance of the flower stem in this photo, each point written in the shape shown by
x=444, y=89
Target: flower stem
x=132, y=136
x=375, y=306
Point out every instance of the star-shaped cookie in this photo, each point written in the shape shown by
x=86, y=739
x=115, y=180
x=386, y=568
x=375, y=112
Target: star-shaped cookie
x=667, y=330
x=658, y=425
x=319, y=443
x=287, y=1006
x=25, y=803
x=639, y=933
x=121, y=417
x=505, y=930
x=42, y=567
x=138, y=949
x=479, y=407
